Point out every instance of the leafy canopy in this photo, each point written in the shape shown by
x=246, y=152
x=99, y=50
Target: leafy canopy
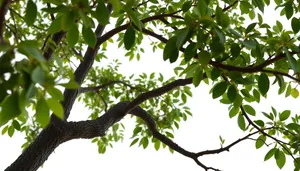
x=223, y=43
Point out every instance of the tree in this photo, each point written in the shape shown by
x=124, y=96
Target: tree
x=53, y=53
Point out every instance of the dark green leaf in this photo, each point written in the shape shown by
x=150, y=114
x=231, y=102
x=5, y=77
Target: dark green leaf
x=186, y=6
x=260, y=4
x=204, y=58
x=263, y=83
x=182, y=37
x=170, y=50
x=249, y=44
x=235, y=50
x=16, y=125
x=134, y=18
x=10, y=131
x=219, y=89
x=231, y=93
x=295, y=25
x=30, y=13
x=129, y=38
x=250, y=28
x=68, y=20
x=89, y=36
x=190, y=52
x=102, y=13
x=9, y=108
x=289, y=10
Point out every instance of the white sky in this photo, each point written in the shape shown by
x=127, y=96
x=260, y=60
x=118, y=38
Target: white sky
x=200, y=132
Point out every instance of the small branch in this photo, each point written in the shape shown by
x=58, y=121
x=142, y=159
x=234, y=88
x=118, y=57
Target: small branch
x=265, y=134
x=157, y=92
x=97, y=88
x=3, y=10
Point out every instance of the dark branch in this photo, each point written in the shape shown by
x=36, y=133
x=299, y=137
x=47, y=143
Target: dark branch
x=97, y=88
x=3, y=10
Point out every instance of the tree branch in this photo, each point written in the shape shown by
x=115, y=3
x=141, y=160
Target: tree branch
x=97, y=88
x=3, y=9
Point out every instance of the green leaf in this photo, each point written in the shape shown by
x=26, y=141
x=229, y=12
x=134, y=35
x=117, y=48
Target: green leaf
x=89, y=36
x=42, y=112
x=263, y=83
x=134, y=18
x=295, y=25
x=291, y=59
x=249, y=109
x=202, y=7
x=204, y=58
x=219, y=89
x=222, y=18
x=241, y=122
x=72, y=36
x=102, y=13
x=234, y=111
x=231, y=93
x=129, y=38
x=235, y=50
x=170, y=50
x=280, y=158
x=30, y=13
x=38, y=75
x=186, y=6
x=70, y=85
x=182, y=37
x=289, y=10
x=134, y=142
x=284, y=115
x=197, y=77
x=249, y=44
x=259, y=123
x=157, y=145
x=9, y=108
x=260, y=4
x=55, y=25
x=260, y=141
x=68, y=20
x=295, y=93
x=30, y=49
x=55, y=93
x=250, y=28
x=10, y=131
x=56, y=107
x=270, y=153
x=190, y=52
x=16, y=125
x=145, y=142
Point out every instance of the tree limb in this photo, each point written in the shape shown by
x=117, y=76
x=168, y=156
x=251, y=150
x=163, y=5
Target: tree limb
x=97, y=88
x=3, y=9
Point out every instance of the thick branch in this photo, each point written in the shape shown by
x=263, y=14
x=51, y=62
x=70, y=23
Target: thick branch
x=3, y=10
x=158, y=92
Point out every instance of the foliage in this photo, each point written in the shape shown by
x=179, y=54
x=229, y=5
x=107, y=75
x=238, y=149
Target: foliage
x=48, y=49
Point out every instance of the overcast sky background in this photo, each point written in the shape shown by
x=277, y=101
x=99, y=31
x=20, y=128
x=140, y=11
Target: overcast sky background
x=200, y=132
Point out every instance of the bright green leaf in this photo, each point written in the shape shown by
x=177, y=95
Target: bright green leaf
x=249, y=109
x=55, y=93
x=284, y=115
x=270, y=153
x=56, y=107
x=42, y=112
x=295, y=93
x=72, y=36
x=260, y=141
